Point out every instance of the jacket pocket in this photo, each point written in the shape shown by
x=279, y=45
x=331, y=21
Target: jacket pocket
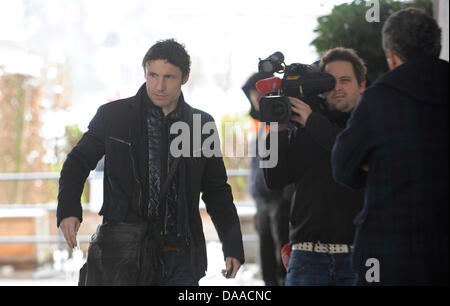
x=119, y=173
x=137, y=191
x=118, y=158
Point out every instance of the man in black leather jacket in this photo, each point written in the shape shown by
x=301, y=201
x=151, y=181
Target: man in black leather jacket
x=152, y=231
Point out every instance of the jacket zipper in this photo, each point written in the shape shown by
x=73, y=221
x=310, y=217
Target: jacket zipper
x=120, y=140
x=138, y=182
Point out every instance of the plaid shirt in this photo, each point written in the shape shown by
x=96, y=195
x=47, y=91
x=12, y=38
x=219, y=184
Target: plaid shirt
x=400, y=129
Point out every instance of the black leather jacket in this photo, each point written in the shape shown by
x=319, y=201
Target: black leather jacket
x=119, y=132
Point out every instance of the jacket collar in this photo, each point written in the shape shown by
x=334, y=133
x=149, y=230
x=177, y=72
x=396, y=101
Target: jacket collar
x=423, y=78
x=146, y=103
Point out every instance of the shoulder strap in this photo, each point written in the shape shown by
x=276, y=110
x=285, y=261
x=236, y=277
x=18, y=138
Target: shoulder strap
x=165, y=186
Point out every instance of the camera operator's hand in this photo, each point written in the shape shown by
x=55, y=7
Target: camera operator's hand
x=301, y=110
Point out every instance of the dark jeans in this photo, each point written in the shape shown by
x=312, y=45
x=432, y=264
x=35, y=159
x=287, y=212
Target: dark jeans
x=177, y=269
x=319, y=269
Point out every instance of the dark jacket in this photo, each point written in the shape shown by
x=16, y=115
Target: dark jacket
x=323, y=210
x=119, y=132
x=400, y=129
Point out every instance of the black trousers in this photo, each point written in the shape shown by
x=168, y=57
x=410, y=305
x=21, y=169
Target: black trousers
x=272, y=225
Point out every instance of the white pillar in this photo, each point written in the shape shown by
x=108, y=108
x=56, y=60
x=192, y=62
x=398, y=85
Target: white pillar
x=441, y=15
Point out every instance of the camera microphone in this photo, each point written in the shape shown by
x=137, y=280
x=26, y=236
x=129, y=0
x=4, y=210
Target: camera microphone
x=268, y=85
x=309, y=84
x=274, y=63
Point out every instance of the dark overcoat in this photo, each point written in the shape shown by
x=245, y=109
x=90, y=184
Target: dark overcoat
x=400, y=129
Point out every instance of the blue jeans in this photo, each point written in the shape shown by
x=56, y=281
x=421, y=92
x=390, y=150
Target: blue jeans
x=319, y=269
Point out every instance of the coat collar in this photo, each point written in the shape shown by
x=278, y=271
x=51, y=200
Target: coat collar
x=423, y=78
x=147, y=104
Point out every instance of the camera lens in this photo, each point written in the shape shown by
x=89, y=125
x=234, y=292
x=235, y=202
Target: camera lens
x=279, y=109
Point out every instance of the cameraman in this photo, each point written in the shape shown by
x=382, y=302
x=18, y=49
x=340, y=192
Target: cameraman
x=321, y=227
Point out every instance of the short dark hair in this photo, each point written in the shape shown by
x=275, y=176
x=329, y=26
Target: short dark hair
x=411, y=33
x=172, y=51
x=345, y=54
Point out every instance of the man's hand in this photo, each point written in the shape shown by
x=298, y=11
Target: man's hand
x=365, y=168
x=69, y=226
x=232, y=266
x=301, y=109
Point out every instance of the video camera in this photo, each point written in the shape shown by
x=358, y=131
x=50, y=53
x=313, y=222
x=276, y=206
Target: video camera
x=301, y=81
